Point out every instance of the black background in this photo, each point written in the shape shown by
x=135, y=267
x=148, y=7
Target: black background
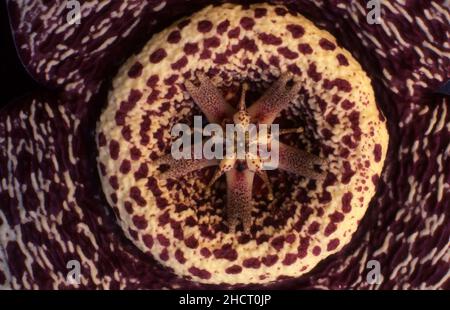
x=14, y=79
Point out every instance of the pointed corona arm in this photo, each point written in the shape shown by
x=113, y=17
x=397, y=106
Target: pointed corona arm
x=180, y=167
x=274, y=100
x=239, y=198
x=300, y=162
x=209, y=99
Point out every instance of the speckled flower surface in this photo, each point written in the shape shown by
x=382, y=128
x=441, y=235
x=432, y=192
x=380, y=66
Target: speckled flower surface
x=307, y=220
x=52, y=205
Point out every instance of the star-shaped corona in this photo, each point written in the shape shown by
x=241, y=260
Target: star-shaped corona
x=240, y=171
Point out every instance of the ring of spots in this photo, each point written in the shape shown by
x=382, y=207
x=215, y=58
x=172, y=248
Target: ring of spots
x=173, y=220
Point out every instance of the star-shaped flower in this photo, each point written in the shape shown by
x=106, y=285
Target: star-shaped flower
x=240, y=172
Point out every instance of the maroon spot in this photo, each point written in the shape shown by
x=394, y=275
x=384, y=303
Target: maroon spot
x=135, y=70
x=261, y=64
x=294, y=69
x=305, y=48
x=173, y=90
x=287, y=53
x=179, y=256
x=324, y=198
x=347, y=104
x=140, y=222
x=174, y=37
x=234, y=33
x=171, y=79
x=180, y=208
x=269, y=260
x=221, y=58
x=354, y=120
x=226, y=252
x=347, y=140
x=327, y=44
x=204, y=26
x=205, y=252
x=148, y=241
x=158, y=55
x=142, y=172
x=290, y=238
x=313, y=228
x=337, y=217
x=183, y=23
x=113, y=197
x=201, y=273
x=191, y=242
x=151, y=82
x=163, y=240
x=296, y=30
x=133, y=233
x=375, y=179
x=134, y=96
x=190, y=48
x=114, y=149
x=244, y=239
x=128, y=207
x=125, y=166
x=247, y=23
x=249, y=45
x=281, y=11
x=316, y=250
x=333, y=244
x=332, y=119
x=262, y=238
x=344, y=153
x=180, y=63
x=322, y=104
x=342, y=60
x=278, y=242
x=326, y=133
x=303, y=247
x=177, y=230
x=126, y=132
x=336, y=99
x=235, y=269
x=330, y=180
x=348, y=173
x=260, y=12
x=190, y=221
x=251, y=263
x=289, y=259
x=377, y=152
x=223, y=26
x=205, y=54
x=331, y=228
x=135, y=194
x=274, y=61
x=212, y=42
x=101, y=139
x=113, y=181
x=164, y=218
x=312, y=73
x=341, y=84
x=269, y=39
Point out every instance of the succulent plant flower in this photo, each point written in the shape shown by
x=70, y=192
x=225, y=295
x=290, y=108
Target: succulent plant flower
x=87, y=175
